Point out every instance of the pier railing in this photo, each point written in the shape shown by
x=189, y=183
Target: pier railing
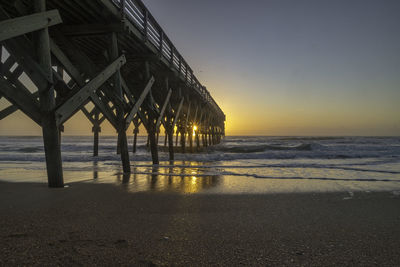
x=137, y=13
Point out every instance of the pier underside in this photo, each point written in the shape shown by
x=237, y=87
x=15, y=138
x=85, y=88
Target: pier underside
x=112, y=54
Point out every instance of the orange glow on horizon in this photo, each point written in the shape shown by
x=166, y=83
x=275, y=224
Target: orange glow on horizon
x=194, y=130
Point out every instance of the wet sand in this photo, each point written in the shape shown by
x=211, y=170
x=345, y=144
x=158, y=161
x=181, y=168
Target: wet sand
x=104, y=224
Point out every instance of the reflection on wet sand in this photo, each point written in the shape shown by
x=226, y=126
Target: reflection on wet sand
x=95, y=170
x=168, y=179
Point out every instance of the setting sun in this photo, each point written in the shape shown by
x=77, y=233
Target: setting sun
x=194, y=130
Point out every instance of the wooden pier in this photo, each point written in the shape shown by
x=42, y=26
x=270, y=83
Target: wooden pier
x=113, y=54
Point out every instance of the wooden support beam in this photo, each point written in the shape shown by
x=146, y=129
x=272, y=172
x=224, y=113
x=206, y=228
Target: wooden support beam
x=22, y=96
x=127, y=91
x=139, y=102
x=151, y=122
x=22, y=52
x=7, y=111
x=21, y=99
x=123, y=143
x=75, y=74
x=187, y=117
x=178, y=112
x=67, y=64
x=89, y=114
x=184, y=129
x=176, y=136
x=105, y=109
x=50, y=129
x=195, y=115
x=170, y=134
x=160, y=117
x=11, y=28
x=85, y=66
x=96, y=130
x=74, y=103
x=135, y=133
x=10, y=61
x=90, y=29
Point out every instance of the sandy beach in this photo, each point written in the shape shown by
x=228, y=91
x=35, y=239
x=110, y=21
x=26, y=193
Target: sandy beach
x=103, y=224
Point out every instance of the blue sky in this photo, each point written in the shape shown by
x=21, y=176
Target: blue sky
x=293, y=67
x=283, y=67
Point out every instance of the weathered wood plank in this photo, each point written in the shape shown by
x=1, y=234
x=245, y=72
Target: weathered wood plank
x=51, y=139
x=139, y=102
x=178, y=112
x=88, y=115
x=128, y=92
x=72, y=105
x=20, y=98
x=187, y=119
x=108, y=114
x=79, y=79
x=7, y=111
x=90, y=29
x=72, y=71
x=22, y=51
x=160, y=117
x=85, y=65
x=18, y=26
x=123, y=143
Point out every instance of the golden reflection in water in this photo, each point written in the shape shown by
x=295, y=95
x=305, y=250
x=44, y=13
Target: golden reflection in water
x=168, y=179
x=194, y=130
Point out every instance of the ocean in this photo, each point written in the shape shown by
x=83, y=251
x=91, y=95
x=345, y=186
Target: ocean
x=239, y=165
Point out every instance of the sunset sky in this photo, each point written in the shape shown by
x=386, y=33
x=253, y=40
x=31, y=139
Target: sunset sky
x=279, y=67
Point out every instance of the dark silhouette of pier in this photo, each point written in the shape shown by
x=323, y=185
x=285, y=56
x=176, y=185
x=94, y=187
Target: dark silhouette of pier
x=112, y=53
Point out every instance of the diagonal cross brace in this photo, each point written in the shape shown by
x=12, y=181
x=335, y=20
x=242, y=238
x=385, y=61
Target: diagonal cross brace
x=76, y=76
x=128, y=94
x=18, y=26
x=7, y=111
x=187, y=118
x=21, y=99
x=138, y=103
x=160, y=117
x=178, y=112
x=75, y=102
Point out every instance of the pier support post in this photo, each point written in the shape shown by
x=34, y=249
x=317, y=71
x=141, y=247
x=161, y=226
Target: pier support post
x=151, y=122
x=135, y=133
x=96, y=129
x=197, y=139
x=118, y=144
x=123, y=143
x=183, y=140
x=191, y=139
x=153, y=141
x=60, y=131
x=176, y=137
x=47, y=104
x=169, y=131
x=213, y=136
x=171, y=144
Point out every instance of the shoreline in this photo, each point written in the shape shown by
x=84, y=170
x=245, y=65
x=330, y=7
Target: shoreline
x=103, y=224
